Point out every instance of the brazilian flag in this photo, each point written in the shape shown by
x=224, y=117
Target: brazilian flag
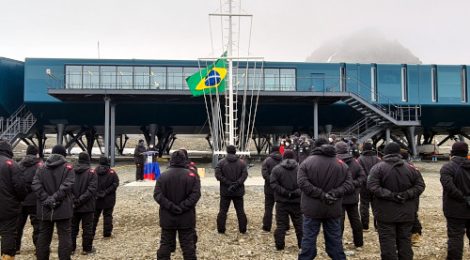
x=208, y=80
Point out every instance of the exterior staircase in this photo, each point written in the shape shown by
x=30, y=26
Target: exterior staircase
x=17, y=126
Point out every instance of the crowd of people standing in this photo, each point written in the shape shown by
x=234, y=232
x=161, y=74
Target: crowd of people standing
x=315, y=190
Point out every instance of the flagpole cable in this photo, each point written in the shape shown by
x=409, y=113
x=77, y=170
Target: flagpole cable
x=251, y=99
x=256, y=107
x=205, y=101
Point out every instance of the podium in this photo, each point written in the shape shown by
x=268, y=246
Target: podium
x=151, y=166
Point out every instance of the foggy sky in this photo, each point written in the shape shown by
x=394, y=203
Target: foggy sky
x=435, y=31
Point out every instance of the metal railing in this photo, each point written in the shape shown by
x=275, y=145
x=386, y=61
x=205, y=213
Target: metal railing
x=20, y=122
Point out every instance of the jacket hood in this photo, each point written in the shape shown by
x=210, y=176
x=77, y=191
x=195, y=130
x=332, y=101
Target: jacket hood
x=276, y=156
x=325, y=150
x=462, y=161
x=102, y=169
x=55, y=160
x=289, y=164
x=232, y=157
x=30, y=160
x=81, y=168
x=345, y=157
x=394, y=159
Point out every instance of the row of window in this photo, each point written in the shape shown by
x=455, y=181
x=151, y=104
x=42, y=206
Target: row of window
x=172, y=78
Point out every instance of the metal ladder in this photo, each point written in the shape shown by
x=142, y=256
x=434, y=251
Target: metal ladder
x=17, y=125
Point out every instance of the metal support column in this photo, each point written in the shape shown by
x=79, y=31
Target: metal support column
x=387, y=136
x=60, y=134
x=112, y=139
x=412, y=140
x=215, y=132
x=107, y=103
x=152, y=132
x=315, y=119
x=328, y=129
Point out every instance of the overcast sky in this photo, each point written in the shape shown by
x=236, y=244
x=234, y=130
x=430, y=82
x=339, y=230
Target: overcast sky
x=436, y=31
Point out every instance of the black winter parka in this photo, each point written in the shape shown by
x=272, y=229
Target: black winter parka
x=84, y=189
x=231, y=170
x=266, y=169
x=358, y=178
x=12, y=187
x=455, y=180
x=29, y=166
x=108, y=182
x=284, y=182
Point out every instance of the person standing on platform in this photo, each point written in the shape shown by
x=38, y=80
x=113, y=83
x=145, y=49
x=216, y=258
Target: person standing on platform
x=396, y=187
x=323, y=180
x=108, y=182
x=231, y=172
x=84, y=191
x=177, y=191
x=13, y=191
x=351, y=199
x=139, y=160
x=268, y=164
x=53, y=185
x=455, y=180
x=283, y=182
x=30, y=163
x=367, y=160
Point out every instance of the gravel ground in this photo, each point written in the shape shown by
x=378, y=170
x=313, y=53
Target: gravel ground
x=136, y=233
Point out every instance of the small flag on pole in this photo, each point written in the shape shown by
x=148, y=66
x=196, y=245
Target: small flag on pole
x=209, y=80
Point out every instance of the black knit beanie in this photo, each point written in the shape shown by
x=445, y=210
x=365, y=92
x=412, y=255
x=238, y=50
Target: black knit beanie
x=31, y=150
x=59, y=149
x=367, y=147
x=288, y=154
x=231, y=149
x=84, y=158
x=104, y=161
x=459, y=149
x=392, y=148
x=178, y=158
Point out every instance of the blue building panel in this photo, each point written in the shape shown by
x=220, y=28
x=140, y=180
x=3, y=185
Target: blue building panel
x=11, y=85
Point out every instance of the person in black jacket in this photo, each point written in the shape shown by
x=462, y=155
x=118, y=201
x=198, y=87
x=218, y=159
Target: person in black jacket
x=177, y=191
x=367, y=160
x=28, y=166
x=268, y=164
x=108, y=182
x=13, y=191
x=455, y=180
x=139, y=160
x=231, y=172
x=84, y=191
x=351, y=199
x=283, y=182
x=323, y=180
x=396, y=187
x=53, y=184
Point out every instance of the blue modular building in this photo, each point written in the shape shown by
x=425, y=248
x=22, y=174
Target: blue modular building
x=88, y=98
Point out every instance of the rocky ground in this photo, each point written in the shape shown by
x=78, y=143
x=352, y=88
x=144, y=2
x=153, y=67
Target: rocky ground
x=136, y=233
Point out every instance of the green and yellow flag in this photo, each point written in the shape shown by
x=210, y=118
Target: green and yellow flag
x=209, y=80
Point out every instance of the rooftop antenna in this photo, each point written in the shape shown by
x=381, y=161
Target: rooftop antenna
x=98, y=45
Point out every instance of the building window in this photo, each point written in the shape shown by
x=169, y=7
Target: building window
x=373, y=82
x=124, y=77
x=141, y=77
x=91, y=77
x=158, y=78
x=108, y=77
x=434, y=83
x=404, y=84
x=271, y=79
x=73, y=76
x=175, y=78
x=463, y=83
x=287, y=79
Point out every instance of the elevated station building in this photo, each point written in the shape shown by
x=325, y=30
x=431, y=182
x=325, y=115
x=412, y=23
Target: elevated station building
x=85, y=101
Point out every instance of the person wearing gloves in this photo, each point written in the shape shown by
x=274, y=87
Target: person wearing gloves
x=84, y=191
x=268, y=164
x=13, y=191
x=455, y=180
x=53, y=185
x=396, y=187
x=108, y=182
x=231, y=172
x=350, y=200
x=177, y=191
x=30, y=163
x=283, y=182
x=323, y=180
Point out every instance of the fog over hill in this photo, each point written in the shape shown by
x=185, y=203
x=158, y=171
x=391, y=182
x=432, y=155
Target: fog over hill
x=365, y=46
